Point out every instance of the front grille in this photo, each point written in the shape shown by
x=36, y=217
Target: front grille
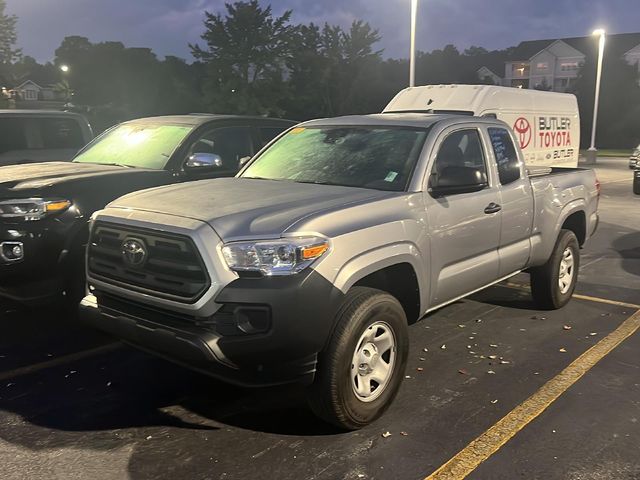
x=170, y=266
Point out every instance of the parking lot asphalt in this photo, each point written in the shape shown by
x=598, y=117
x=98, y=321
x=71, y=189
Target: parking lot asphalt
x=75, y=405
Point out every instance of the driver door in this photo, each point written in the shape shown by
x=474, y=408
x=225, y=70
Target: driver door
x=464, y=233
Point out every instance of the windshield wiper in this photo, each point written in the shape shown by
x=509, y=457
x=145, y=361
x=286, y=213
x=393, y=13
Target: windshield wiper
x=265, y=178
x=117, y=165
x=315, y=182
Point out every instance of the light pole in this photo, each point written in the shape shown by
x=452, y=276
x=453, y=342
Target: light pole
x=592, y=153
x=412, y=59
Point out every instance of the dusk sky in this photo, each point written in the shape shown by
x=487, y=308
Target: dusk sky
x=167, y=26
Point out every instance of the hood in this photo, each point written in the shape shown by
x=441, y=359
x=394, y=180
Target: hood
x=37, y=176
x=247, y=208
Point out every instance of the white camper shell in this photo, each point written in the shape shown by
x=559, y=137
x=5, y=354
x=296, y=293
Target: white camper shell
x=546, y=124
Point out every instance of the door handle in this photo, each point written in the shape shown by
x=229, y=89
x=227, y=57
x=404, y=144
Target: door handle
x=492, y=208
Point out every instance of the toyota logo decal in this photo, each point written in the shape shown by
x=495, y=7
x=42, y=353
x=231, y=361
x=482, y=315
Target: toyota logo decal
x=523, y=128
x=134, y=252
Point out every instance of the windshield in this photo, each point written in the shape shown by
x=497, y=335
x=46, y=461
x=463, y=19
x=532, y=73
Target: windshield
x=140, y=145
x=381, y=158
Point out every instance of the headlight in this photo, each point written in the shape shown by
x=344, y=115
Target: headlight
x=274, y=257
x=30, y=209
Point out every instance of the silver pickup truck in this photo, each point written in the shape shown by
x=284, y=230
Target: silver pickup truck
x=309, y=265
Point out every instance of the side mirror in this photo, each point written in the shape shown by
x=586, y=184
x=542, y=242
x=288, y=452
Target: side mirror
x=455, y=180
x=243, y=161
x=204, y=160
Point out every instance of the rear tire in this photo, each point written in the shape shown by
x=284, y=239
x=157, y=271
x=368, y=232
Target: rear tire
x=361, y=370
x=553, y=284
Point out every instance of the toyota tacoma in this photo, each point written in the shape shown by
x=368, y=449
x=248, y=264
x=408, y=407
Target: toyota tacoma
x=310, y=264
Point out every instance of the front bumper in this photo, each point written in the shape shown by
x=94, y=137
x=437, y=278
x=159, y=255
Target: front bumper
x=268, y=330
x=37, y=277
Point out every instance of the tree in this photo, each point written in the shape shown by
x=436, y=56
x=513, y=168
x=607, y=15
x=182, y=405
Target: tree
x=619, y=107
x=333, y=72
x=543, y=86
x=63, y=90
x=474, y=51
x=8, y=36
x=246, y=52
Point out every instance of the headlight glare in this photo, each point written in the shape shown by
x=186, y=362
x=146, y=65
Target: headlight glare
x=276, y=257
x=31, y=209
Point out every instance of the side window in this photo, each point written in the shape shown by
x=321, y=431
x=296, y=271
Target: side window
x=461, y=149
x=230, y=143
x=61, y=133
x=13, y=135
x=269, y=133
x=506, y=155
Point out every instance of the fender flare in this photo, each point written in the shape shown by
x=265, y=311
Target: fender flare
x=578, y=205
x=370, y=261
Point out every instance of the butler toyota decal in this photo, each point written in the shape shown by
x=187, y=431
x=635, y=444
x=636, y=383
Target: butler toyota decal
x=550, y=133
x=545, y=124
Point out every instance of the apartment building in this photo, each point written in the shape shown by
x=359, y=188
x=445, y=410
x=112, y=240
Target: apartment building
x=553, y=64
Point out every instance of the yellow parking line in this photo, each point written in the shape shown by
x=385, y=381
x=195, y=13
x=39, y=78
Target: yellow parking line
x=480, y=449
x=606, y=300
x=58, y=361
x=518, y=286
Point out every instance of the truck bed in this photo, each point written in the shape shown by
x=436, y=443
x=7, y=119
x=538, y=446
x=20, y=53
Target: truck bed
x=534, y=171
x=557, y=190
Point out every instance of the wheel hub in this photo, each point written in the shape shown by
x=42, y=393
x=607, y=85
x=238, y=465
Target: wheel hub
x=369, y=358
x=373, y=361
x=567, y=271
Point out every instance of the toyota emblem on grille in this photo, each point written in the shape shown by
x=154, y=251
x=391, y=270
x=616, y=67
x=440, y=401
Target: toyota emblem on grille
x=134, y=252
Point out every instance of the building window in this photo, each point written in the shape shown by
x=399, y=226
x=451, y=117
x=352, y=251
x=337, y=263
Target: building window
x=542, y=65
x=520, y=70
x=569, y=66
x=30, y=94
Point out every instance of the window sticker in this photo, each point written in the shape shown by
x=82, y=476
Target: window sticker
x=391, y=176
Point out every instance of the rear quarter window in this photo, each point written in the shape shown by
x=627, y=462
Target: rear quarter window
x=12, y=135
x=269, y=133
x=60, y=133
x=506, y=155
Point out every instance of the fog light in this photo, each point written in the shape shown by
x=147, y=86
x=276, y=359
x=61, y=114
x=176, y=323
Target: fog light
x=12, y=251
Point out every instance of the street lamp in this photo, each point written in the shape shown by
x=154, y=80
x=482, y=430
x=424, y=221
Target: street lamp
x=412, y=59
x=64, y=68
x=592, y=152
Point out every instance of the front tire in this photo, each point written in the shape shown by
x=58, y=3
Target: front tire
x=361, y=370
x=553, y=284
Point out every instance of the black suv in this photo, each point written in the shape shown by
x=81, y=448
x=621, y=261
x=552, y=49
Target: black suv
x=45, y=207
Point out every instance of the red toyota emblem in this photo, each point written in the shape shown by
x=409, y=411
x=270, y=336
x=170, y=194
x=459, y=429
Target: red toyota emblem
x=523, y=128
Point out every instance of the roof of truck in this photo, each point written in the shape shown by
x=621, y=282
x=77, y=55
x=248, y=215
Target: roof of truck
x=202, y=118
x=420, y=120
x=37, y=113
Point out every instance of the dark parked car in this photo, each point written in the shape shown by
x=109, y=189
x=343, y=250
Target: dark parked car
x=28, y=136
x=45, y=207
